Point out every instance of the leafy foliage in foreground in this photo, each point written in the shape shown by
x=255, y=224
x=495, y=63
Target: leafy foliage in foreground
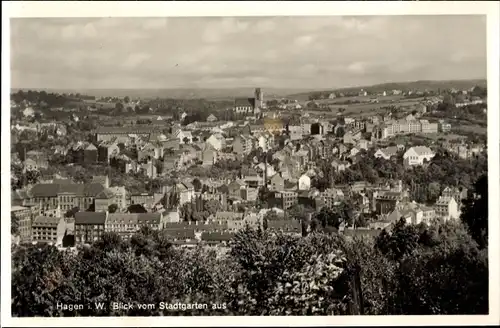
x=441, y=271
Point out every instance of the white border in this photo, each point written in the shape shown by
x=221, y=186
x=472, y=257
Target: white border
x=307, y=8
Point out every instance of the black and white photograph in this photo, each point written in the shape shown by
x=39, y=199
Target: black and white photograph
x=250, y=165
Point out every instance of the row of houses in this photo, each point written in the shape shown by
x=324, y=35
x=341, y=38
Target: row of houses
x=89, y=227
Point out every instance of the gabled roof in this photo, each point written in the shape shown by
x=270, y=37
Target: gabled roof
x=91, y=147
x=389, y=151
x=217, y=236
x=105, y=194
x=90, y=218
x=244, y=102
x=285, y=225
x=225, y=216
x=422, y=150
x=46, y=221
x=211, y=117
x=134, y=218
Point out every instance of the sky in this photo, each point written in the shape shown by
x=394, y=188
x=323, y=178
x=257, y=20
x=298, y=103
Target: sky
x=228, y=52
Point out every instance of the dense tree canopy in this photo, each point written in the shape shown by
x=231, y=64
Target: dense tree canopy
x=409, y=270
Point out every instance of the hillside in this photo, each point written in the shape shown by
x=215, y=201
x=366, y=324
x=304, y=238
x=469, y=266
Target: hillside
x=415, y=85
x=184, y=93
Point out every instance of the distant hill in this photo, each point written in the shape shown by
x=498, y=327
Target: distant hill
x=174, y=93
x=415, y=85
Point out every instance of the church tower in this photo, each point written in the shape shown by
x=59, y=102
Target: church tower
x=259, y=98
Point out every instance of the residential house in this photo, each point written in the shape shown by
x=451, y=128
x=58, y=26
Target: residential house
x=235, y=187
x=23, y=215
x=90, y=154
x=47, y=229
x=363, y=144
x=186, y=192
x=352, y=137
x=295, y=131
x=418, y=155
x=146, y=152
x=253, y=181
x=211, y=118
x=444, y=126
x=217, y=141
x=145, y=199
x=265, y=141
x=457, y=193
x=89, y=226
x=447, y=208
x=128, y=224
x=242, y=145
x=249, y=194
x=332, y=197
x=354, y=151
x=386, y=202
x=265, y=169
x=120, y=197
x=285, y=199
x=304, y=182
x=209, y=156
x=306, y=127
x=386, y=153
x=184, y=137
x=277, y=183
x=428, y=127
x=339, y=165
x=291, y=227
x=103, y=200
x=36, y=159
x=107, y=150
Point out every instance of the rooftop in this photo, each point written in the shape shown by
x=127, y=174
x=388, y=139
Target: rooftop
x=90, y=218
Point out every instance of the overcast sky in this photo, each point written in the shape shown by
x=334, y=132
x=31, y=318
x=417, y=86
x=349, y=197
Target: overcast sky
x=279, y=52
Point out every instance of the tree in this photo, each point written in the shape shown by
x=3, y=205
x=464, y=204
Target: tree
x=475, y=212
x=14, y=224
x=326, y=220
x=126, y=99
x=112, y=208
x=361, y=221
x=185, y=140
x=91, y=207
x=71, y=213
x=402, y=240
x=136, y=208
x=339, y=133
x=271, y=215
x=197, y=184
x=433, y=192
x=32, y=176
x=212, y=206
x=119, y=107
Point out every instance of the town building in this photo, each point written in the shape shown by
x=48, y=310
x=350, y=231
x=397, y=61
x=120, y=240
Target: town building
x=128, y=224
x=47, y=229
x=24, y=216
x=447, y=208
x=64, y=196
x=386, y=153
x=418, y=155
x=89, y=226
